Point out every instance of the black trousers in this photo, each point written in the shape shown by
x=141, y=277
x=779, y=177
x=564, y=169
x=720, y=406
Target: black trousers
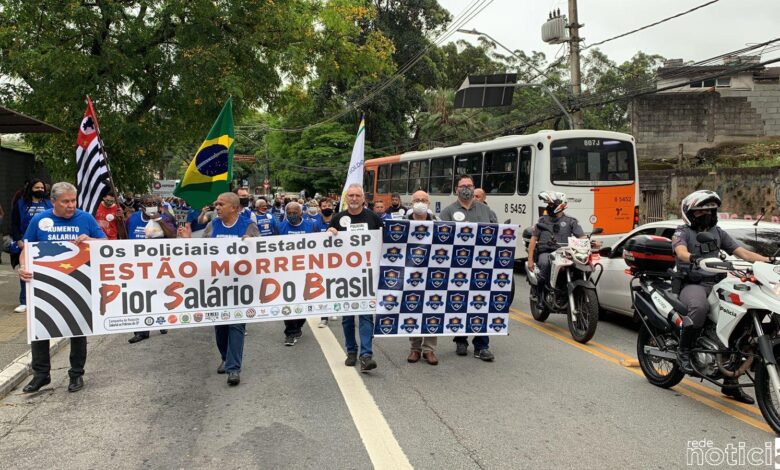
x=293, y=327
x=480, y=342
x=41, y=361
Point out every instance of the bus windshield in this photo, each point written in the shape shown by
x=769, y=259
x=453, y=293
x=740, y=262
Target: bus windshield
x=591, y=162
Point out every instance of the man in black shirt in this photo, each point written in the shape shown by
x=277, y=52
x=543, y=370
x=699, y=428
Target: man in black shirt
x=396, y=210
x=357, y=219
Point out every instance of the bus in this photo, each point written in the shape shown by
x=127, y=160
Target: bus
x=597, y=170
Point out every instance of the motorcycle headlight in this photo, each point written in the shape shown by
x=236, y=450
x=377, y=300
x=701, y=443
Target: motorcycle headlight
x=581, y=257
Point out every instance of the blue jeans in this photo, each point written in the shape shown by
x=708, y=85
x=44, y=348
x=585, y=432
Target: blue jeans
x=22, y=293
x=230, y=342
x=366, y=330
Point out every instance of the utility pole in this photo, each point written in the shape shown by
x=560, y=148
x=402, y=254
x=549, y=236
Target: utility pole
x=574, y=61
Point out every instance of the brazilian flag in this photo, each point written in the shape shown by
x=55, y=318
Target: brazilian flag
x=211, y=171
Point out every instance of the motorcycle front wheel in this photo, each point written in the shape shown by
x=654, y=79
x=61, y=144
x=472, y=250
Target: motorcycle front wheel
x=584, y=327
x=766, y=398
x=658, y=371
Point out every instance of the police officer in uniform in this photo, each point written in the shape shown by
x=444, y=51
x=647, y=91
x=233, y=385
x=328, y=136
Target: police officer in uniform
x=560, y=228
x=700, y=213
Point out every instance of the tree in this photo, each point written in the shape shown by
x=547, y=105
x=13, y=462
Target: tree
x=160, y=70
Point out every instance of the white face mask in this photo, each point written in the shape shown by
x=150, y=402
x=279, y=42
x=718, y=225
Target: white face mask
x=150, y=211
x=312, y=210
x=420, y=208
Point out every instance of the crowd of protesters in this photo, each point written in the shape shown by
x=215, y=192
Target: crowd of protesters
x=236, y=214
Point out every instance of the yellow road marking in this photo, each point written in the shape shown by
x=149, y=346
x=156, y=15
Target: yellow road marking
x=526, y=319
x=628, y=361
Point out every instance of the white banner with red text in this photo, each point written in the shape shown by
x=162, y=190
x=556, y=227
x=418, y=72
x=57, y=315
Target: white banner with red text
x=104, y=287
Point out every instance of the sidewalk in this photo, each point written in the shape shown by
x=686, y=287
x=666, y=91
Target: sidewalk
x=14, y=350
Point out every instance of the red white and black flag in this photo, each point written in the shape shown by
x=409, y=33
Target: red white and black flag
x=93, y=179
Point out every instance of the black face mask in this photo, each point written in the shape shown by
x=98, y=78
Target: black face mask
x=244, y=201
x=39, y=194
x=704, y=222
x=327, y=212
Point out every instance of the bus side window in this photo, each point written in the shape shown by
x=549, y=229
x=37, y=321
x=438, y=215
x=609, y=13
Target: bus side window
x=383, y=181
x=418, y=176
x=524, y=171
x=441, y=175
x=368, y=182
x=470, y=164
x=500, y=171
x=398, y=176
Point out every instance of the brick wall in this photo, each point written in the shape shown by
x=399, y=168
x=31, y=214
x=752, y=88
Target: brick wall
x=664, y=121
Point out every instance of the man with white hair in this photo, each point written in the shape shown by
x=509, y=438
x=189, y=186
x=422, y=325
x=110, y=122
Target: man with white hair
x=62, y=222
x=357, y=218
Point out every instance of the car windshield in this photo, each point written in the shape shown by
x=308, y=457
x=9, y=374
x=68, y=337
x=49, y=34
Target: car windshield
x=763, y=241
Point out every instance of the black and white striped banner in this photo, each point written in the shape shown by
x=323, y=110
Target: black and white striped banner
x=92, y=174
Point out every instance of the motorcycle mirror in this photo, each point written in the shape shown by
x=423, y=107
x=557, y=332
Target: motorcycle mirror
x=606, y=251
x=597, y=231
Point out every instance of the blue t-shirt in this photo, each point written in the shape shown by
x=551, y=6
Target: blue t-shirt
x=266, y=224
x=317, y=219
x=237, y=230
x=136, y=225
x=306, y=226
x=324, y=225
x=46, y=226
x=192, y=218
x=278, y=213
x=28, y=210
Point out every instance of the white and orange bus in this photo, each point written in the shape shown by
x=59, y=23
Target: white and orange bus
x=596, y=169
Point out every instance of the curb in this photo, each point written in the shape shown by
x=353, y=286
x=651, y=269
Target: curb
x=19, y=369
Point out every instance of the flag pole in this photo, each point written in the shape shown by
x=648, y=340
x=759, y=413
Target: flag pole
x=100, y=140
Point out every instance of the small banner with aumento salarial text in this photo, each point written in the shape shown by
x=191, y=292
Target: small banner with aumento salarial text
x=103, y=287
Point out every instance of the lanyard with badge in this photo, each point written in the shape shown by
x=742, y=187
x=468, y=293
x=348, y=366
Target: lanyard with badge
x=346, y=223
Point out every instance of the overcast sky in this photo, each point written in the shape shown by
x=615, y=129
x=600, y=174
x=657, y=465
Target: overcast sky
x=713, y=30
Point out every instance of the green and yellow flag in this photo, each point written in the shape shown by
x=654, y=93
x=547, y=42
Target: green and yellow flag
x=210, y=172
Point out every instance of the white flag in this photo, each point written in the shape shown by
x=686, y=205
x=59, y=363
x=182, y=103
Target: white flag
x=355, y=172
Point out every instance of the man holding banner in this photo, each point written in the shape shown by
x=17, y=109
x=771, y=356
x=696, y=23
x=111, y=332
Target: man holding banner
x=466, y=209
x=357, y=218
x=62, y=222
x=229, y=224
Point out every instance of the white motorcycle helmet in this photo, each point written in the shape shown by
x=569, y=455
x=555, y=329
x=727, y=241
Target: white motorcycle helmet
x=699, y=201
x=556, y=202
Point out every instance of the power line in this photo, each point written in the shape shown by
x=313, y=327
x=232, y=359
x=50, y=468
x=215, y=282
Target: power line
x=650, y=25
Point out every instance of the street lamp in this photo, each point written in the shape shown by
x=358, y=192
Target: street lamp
x=540, y=85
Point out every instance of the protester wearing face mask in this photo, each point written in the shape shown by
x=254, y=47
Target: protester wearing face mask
x=326, y=213
x=396, y=209
x=295, y=224
x=110, y=217
x=277, y=210
x=425, y=347
x=266, y=223
x=140, y=228
x=246, y=204
x=313, y=213
x=32, y=202
x=466, y=209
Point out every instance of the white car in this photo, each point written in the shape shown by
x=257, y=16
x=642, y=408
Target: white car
x=613, y=288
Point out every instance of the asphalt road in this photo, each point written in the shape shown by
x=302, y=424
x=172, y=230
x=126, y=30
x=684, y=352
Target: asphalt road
x=544, y=403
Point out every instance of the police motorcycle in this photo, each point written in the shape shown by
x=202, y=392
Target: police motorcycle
x=741, y=335
x=571, y=290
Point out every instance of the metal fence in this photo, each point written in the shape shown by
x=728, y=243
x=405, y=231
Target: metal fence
x=652, y=207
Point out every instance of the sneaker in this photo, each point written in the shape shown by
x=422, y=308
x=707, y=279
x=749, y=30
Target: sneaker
x=21, y=309
x=351, y=359
x=233, y=379
x=461, y=349
x=367, y=363
x=323, y=323
x=290, y=340
x=221, y=368
x=299, y=334
x=484, y=354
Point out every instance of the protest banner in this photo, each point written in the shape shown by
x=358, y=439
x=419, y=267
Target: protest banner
x=103, y=287
x=444, y=278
